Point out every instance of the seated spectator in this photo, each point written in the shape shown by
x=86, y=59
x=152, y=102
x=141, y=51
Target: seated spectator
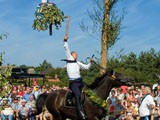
x=4, y=101
x=21, y=91
x=19, y=98
x=23, y=111
x=119, y=110
x=31, y=105
x=27, y=94
x=129, y=116
x=15, y=105
x=6, y=112
x=14, y=92
x=44, y=115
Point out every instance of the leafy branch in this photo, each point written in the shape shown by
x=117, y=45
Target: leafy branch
x=95, y=99
x=47, y=15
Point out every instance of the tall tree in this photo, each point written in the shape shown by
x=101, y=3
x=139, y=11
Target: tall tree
x=104, y=19
x=45, y=67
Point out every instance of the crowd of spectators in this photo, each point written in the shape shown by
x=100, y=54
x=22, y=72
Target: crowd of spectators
x=20, y=102
x=124, y=102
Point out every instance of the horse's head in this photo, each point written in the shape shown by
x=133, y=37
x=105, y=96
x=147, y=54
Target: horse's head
x=120, y=79
x=102, y=85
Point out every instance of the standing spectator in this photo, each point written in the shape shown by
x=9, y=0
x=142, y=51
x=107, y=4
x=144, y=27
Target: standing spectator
x=120, y=94
x=35, y=82
x=154, y=88
x=147, y=104
x=37, y=91
x=130, y=95
x=124, y=90
x=113, y=98
x=44, y=89
x=157, y=98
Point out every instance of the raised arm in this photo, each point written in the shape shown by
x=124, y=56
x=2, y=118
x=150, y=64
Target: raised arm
x=66, y=47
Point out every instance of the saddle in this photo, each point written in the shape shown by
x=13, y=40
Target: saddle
x=70, y=100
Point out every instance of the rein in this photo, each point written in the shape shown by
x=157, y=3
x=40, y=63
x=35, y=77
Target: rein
x=96, y=63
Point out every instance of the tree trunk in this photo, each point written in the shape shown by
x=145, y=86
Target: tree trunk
x=104, y=40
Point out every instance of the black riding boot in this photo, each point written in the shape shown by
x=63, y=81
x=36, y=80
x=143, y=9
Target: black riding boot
x=79, y=110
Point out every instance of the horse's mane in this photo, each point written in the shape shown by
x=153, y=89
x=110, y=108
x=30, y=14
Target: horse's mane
x=99, y=79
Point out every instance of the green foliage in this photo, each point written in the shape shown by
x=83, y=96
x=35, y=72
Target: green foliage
x=5, y=73
x=46, y=15
x=144, y=68
x=62, y=75
x=44, y=68
x=90, y=75
x=6, y=89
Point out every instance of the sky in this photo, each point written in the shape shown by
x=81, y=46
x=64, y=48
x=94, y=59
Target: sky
x=30, y=47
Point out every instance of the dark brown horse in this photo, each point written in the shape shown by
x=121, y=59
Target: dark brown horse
x=54, y=101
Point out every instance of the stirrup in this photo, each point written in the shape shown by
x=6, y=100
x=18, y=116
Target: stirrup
x=82, y=115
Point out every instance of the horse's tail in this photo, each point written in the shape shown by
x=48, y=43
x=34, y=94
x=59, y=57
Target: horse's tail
x=40, y=102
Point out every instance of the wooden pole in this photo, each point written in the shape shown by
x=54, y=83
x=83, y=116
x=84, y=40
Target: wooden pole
x=67, y=24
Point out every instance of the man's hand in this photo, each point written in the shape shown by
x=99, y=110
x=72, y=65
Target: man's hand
x=91, y=60
x=65, y=38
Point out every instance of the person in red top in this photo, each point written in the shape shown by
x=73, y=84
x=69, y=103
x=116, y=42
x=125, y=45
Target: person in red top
x=124, y=89
x=21, y=91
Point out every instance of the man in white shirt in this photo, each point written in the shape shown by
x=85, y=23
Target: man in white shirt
x=147, y=104
x=75, y=80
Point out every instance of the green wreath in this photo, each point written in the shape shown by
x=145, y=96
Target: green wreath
x=95, y=99
x=46, y=15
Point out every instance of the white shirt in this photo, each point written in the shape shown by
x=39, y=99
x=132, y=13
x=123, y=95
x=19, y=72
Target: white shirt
x=7, y=111
x=144, y=109
x=36, y=93
x=73, y=69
